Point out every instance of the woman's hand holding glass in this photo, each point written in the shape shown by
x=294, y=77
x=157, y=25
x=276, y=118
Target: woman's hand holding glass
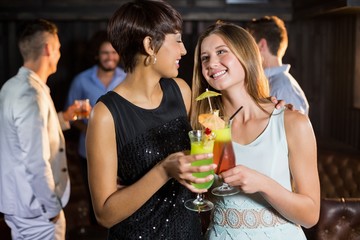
x=247, y=180
x=179, y=166
x=224, y=156
x=201, y=142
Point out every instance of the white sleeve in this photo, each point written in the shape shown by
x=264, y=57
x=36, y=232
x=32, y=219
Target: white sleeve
x=65, y=125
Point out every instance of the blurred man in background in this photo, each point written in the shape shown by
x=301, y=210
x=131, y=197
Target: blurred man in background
x=92, y=83
x=271, y=36
x=34, y=180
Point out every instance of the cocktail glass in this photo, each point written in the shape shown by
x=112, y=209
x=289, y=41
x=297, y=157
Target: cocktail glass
x=224, y=157
x=201, y=143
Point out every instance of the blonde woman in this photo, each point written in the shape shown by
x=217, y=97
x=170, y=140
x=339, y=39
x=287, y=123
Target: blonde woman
x=275, y=149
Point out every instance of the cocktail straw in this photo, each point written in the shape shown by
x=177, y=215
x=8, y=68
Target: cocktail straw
x=223, y=150
x=209, y=101
x=236, y=112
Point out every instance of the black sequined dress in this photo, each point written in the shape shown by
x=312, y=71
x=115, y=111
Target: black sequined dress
x=145, y=137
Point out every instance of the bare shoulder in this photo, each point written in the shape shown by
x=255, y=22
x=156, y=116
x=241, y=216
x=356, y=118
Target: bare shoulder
x=182, y=84
x=296, y=121
x=100, y=115
x=101, y=129
x=185, y=92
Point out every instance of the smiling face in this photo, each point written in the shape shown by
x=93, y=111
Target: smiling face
x=220, y=67
x=228, y=59
x=108, y=57
x=169, y=55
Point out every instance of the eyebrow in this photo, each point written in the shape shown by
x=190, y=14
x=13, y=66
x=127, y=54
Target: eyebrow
x=220, y=46
x=224, y=45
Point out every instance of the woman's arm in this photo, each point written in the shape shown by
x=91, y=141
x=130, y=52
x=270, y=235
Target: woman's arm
x=303, y=205
x=109, y=201
x=303, y=166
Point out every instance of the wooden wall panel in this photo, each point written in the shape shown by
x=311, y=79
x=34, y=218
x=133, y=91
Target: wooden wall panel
x=356, y=91
x=308, y=57
x=322, y=54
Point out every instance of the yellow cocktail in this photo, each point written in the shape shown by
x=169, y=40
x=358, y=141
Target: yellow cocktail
x=199, y=147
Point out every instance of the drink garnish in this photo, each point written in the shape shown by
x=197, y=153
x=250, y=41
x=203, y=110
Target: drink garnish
x=207, y=131
x=210, y=120
x=209, y=137
x=208, y=94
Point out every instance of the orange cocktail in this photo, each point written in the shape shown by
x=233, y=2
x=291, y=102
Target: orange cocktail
x=224, y=155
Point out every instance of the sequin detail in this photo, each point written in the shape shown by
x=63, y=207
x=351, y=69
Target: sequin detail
x=144, y=138
x=149, y=148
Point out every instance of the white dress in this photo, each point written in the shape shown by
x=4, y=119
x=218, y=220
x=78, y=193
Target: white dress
x=249, y=216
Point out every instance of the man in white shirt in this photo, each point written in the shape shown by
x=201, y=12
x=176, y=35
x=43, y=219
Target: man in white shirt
x=34, y=180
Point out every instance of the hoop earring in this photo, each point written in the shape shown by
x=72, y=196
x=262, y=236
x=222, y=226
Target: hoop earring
x=147, y=60
x=150, y=59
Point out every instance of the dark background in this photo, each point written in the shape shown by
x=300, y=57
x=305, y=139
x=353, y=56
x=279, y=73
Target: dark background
x=324, y=47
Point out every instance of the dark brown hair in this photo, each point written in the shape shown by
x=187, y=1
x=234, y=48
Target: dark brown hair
x=135, y=20
x=96, y=41
x=273, y=30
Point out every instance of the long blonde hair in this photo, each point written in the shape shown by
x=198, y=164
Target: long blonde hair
x=244, y=47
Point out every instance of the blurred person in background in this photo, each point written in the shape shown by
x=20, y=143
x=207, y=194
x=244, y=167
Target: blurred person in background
x=90, y=84
x=271, y=37
x=34, y=180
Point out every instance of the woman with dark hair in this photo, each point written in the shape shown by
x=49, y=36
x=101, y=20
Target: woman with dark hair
x=139, y=175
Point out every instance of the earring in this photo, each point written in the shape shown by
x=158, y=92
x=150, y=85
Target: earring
x=147, y=60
